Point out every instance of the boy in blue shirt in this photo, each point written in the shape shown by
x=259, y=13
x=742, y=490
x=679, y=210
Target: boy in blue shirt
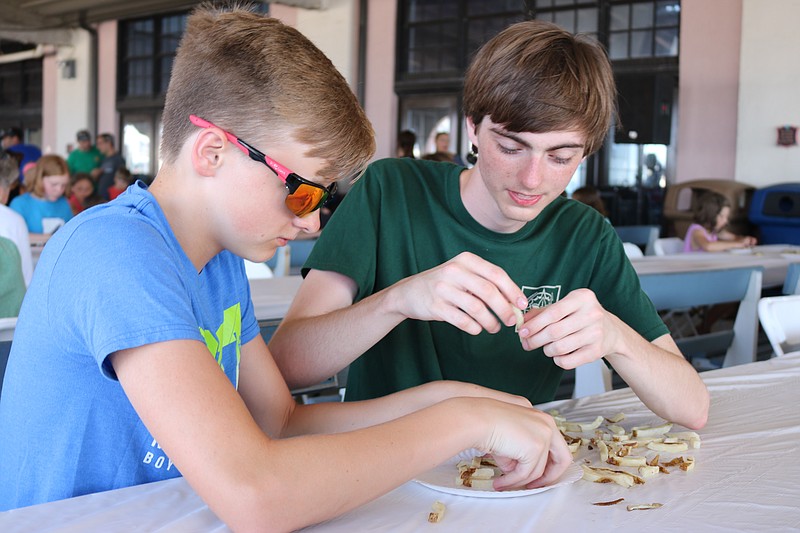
x=137, y=356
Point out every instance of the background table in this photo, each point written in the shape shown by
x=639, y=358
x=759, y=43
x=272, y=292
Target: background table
x=773, y=258
x=273, y=296
x=745, y=480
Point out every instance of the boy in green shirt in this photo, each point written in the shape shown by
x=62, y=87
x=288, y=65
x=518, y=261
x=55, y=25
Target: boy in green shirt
x=422, y=263
x=86, y=157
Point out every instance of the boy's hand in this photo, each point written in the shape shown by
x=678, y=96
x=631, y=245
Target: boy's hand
x=467, y=291
x=573, y=331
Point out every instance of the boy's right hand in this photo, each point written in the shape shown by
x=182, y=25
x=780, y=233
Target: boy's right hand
x=524, y=441
x=466, y=291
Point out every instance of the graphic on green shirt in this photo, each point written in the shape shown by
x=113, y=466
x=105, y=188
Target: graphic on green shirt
x=229, y=332
x=541, y=296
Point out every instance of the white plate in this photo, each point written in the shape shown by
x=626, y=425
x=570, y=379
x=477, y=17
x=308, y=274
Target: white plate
x=443, y=479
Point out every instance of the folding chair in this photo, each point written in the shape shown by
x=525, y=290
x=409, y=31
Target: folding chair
x=631, y=250
x=668, y=246
x=642, y=236
x=792, y=283
x=779, y=318
x=681, y=290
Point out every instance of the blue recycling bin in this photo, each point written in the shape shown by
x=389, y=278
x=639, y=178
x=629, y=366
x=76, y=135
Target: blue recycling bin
x=775, y=210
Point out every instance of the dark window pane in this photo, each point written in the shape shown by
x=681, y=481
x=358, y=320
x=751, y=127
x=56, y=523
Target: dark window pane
x=166, y=70
x=425, y=10
x=482, y=7
x=642, y=16
x=618, y=46
x=543, y=3
x=566, y=19
x=642, y=43
x=587, y=20
x=667, y=42
x=620, y=18
x=564, y=2
x=668, y=13
x=546, y=16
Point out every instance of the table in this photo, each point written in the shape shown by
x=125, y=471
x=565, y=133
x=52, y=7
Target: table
x=773, y=258
x=273, y=296
x=745, y=480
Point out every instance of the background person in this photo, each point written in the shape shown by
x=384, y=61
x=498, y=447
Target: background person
x=12, y=283
x=707, y=233
x=159, y=370
x=122, y=180
x=13, y=141
x=112, y=162
x=406, y=141
x=86, y=157
x=421, y=275
x=81, y=191
x=45, y=207
x=591, y=196
x=12, y=225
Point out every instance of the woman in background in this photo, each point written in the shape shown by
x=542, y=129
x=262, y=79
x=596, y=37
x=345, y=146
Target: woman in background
x=45, y=207
x=708, y=233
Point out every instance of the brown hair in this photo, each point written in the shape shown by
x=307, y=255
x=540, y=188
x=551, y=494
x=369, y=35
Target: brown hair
x=536, y=77
x=260, y=79
x=709, y=205
x=9, y=169
x=47, y=165
x=590, y=196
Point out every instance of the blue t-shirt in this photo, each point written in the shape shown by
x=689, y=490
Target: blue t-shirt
x=39, y=212
x=111, y=279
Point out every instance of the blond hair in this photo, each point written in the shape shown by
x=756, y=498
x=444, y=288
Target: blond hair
x=536, y=77
x=47, y=165
x=260, y=79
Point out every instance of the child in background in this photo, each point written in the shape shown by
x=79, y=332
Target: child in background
x=122, y=180
x=590, y=196
x=81, y=188
x=45, y=207
x=708, y=233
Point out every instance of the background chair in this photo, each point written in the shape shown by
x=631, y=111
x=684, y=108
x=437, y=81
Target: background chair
x=668, y=246
x=631, y=250
x=257, y=270
x=681, y=290
x=280, y=262
x=7, y=326
x=778, y=316
x=792, y=283
x=642, y=236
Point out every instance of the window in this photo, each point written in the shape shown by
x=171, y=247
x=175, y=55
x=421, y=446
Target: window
x=644, y=29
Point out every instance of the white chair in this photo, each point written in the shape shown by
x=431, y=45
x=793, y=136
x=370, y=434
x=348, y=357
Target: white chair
x=643, y=236
x=7, y=326
x=668, y=246
x=257, y=270
x=280, y=263
x=631, y=250
x=779, y=318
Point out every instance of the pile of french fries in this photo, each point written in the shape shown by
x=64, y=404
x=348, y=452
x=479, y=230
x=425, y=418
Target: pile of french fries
x=636, y=452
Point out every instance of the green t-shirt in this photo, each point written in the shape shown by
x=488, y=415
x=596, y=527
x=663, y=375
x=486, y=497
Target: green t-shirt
x=12, y=283
x=405, y=216
x=80, y=161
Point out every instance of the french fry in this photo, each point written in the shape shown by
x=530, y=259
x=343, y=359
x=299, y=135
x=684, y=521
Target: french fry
x=648, y=471
x=619, y=417
x=631, y=460
x=644, y=506
x=520, y=319
x=671, y=447
x=607, y=475
x=437, y=512
x=612, y=502
x=648, y=431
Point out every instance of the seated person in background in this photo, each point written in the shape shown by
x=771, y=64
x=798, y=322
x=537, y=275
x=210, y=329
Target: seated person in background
x=162, y=365
x=707, y=233
x=591, y=196
x=405, y=144
x=45, y=207
x=12, y=282
x=422, y=275
x=13, y=142
x=122, y=180
x=12, y=225
x=81, y=190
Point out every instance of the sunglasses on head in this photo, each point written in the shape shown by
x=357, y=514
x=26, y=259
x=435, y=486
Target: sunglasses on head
x=304, y=196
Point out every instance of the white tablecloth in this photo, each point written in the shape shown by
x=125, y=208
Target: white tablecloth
x=746, y=479
x=273, y=296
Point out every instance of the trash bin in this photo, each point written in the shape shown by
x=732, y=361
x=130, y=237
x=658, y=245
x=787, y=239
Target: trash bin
x=775, y=210
x=681, y=199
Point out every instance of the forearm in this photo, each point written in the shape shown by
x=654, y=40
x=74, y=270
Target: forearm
x=309, y=349
x=349, y=416
x=661, y=377
x=301, y=481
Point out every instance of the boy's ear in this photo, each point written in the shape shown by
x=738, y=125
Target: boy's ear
x=207, y=151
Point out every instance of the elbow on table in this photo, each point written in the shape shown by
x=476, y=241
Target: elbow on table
x=699, y=415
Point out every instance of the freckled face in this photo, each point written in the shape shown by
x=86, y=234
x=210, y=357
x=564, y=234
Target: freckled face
x=54, y=187
x=522, y=173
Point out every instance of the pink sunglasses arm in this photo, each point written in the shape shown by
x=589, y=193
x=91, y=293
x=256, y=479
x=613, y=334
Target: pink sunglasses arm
x=279, y=169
